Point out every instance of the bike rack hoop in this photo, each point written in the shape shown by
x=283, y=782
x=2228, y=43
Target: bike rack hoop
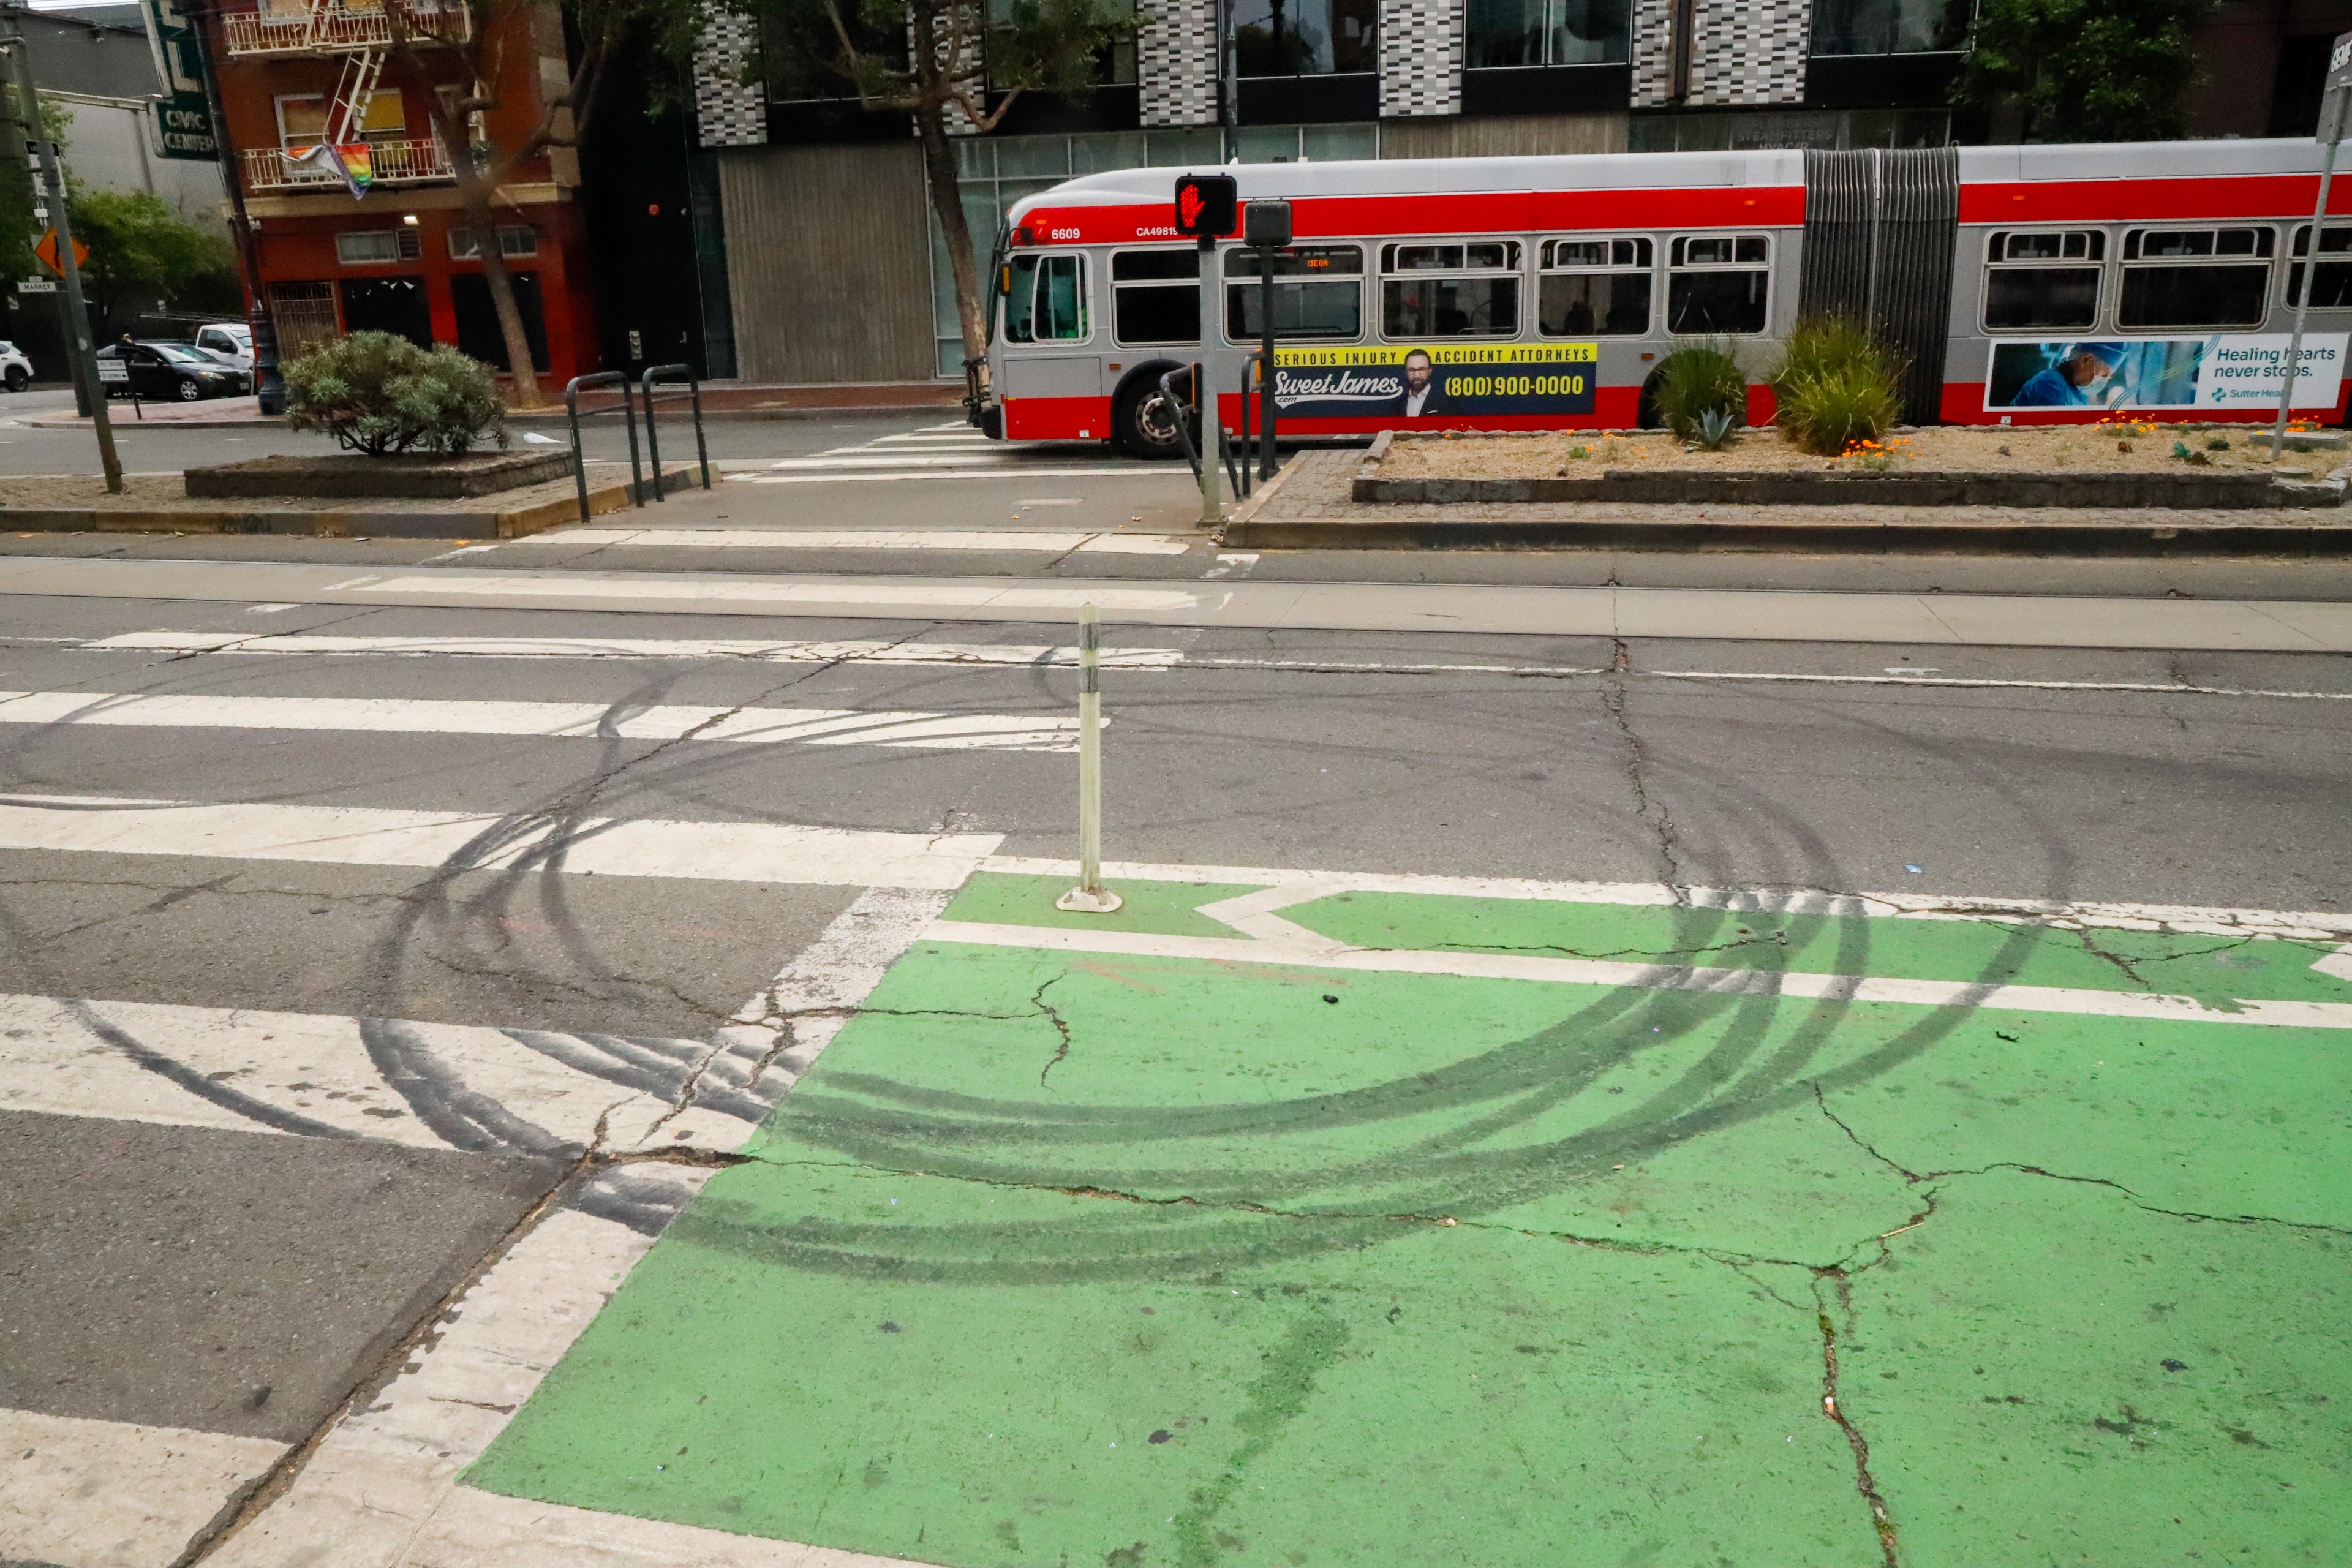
x=627, y=408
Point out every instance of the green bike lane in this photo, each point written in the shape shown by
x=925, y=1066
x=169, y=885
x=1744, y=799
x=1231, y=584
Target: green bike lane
x=1343, y=1225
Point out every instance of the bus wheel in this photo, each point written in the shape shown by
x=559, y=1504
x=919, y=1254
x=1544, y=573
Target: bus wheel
x=1143, y=422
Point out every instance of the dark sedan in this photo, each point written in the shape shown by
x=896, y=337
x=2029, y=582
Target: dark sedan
x=166, y=370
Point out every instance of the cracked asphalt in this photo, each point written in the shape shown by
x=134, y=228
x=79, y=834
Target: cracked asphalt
x=1176, y=1255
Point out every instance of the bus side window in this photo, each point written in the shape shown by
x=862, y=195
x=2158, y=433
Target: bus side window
x=1317, y=293
x=2335, y=289
x=1481, y=300
x=1719, y=283
x=2195, y=277
x=1047, y=299
x=1594, y=287
x=2042, y=280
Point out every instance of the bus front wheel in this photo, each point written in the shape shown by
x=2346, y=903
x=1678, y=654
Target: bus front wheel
x=1143, y=421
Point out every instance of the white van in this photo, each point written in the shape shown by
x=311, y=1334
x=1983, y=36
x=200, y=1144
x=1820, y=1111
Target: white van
x=230, y=340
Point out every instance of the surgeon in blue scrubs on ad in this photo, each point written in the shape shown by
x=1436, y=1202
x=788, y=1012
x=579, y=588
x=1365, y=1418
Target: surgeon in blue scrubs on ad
x=2075, y=381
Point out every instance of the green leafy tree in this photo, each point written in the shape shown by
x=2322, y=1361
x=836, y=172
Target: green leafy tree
x=979, y=50
x=2086, y=70
x=141, y=249
x=463, y=75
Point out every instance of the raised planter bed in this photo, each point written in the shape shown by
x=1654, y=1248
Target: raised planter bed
x=1651, y=470
x=410, y=476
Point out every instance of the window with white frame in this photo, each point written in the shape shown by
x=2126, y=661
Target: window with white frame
x=1318, y=292
x=1155, y=296
x=2039, y=280
x=376, y=246
x=1718, y=283
x=2195, y=277
x=514, y=239
x=1045, y=299
x=1450, y=289
x=1594, y=287
x=2333, y=291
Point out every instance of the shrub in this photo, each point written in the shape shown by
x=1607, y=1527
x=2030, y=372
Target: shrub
x=379, y=394
x=1837, y=385
x=1696, y=380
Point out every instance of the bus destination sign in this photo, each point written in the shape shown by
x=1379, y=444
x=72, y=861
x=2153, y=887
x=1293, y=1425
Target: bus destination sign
x=1436, y=381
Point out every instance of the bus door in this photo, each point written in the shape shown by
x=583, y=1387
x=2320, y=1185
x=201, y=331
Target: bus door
x=1052, y=375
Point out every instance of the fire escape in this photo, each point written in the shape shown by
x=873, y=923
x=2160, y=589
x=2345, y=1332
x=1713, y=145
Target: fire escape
x=358, y=34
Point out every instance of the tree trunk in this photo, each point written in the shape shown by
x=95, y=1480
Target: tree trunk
x=946, y=201
x=483, y=221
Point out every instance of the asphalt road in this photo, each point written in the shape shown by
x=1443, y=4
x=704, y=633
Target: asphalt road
x=290, y=1079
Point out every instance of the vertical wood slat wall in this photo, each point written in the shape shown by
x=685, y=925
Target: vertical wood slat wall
x=828, y=262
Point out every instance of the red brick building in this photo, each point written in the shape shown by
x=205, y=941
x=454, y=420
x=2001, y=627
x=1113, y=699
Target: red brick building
x=400, y=257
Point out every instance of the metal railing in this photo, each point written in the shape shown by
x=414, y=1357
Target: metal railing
x=653, y=435
x=390, y=164
x=1188, y=410
x=329, y=28
x=627, y=408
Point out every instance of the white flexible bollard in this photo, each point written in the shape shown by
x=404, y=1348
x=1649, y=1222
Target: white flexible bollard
x=1089, y=896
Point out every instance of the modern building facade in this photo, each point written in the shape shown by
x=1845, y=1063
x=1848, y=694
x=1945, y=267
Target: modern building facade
x=865, y=296
x=399, y=256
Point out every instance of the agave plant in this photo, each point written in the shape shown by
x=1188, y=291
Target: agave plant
x=1714, y=429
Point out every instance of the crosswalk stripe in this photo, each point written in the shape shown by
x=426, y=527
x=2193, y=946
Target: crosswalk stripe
x=1040, y=541
x=983, y=655
x=370, y=836
x=423, y=1086
x=138, y=1494
x=850, y=458
x=420, y=716
x=927, y=593
x=1010, y=472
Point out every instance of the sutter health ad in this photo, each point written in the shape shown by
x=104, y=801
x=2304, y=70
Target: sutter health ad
x=1406, y=383
x=2219, y=372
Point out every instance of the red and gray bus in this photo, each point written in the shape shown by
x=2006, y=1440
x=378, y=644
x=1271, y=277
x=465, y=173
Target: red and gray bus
x=2020, y=284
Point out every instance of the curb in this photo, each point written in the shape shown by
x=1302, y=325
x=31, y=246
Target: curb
x=513, y=523
x=1926, y=537
x=2218, y=493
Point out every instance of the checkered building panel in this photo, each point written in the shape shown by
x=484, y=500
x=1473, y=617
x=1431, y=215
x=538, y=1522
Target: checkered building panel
x=1176, y=60
x=973, y=75
x=1742, y=52
x=1421, y=57
x=1654, y=52
x=1750, y=51
x=728, y=111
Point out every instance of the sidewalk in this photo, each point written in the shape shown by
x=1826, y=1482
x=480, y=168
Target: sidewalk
x=1309, y=506
x=722, y=400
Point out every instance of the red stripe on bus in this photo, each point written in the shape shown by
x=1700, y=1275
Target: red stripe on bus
x=2157, y=201
x=1478, y=212
x=1057, y=418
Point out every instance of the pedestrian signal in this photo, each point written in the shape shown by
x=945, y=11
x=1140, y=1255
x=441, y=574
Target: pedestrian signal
x=1206, y=206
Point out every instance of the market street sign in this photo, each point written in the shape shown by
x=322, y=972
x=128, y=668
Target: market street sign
x=183, y=117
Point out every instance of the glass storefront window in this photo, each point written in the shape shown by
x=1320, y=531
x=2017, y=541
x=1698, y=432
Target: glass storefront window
x=1548, y=33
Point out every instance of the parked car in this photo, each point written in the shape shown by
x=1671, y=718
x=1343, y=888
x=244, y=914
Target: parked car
x=233, y=341
x=243, y=368
x=15, y=370
x=153, y=369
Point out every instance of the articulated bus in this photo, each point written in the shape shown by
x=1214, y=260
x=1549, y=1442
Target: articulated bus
x=2020, y=285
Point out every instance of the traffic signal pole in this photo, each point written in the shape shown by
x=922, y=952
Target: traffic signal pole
x=81, y=351
x=1204, y=390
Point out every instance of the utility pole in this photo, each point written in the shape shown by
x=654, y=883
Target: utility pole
x=51, y=195
x=2332, y=115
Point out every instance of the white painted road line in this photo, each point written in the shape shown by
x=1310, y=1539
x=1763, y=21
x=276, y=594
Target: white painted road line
x=418, y=716
x=1296, y=886
x=1912, y=621
x=1033, y=541
x=1307, y=950
x=1009, y=471
x=423, y=1086
x=935, y=594
x=113, y=1494
x=361, y=836
x=986, y=655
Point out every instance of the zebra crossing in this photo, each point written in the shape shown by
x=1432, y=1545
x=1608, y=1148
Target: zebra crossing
x=622, y=1126
x=949, y=451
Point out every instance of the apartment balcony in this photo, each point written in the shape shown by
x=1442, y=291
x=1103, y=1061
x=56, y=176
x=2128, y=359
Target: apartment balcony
x=335, y=26
x=392, y=163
